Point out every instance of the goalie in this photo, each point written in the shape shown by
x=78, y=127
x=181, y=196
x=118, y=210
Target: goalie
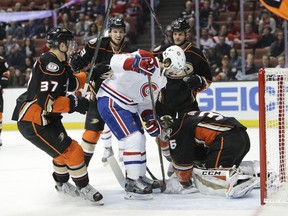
x=226, y=141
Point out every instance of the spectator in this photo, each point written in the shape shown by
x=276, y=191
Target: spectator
x=250, y=67
x=91, y=33
x=227, y=5
x=28, y=72
x=9, y=43
x=251, y=20
x=212, y=27
x=205, y=40
x=16, y=77
x=223, y=72
x=235, y=59
x=43, y=28
x=266, y=20
x=16, y=58
x=2, y=30
x=15, y=30
x=213, y=58
x=117, y=8
x=278, y=46
x=188, y=11
x=73, y=16
x=232, y=27
x=222, y=48
x=192, y=31
x=204, y=13
x=66, y=23
x=28, y=63
x=266, y=38
x=229, y=38
x=281, y=62
x=28, y=48
x=82, y=25
x=2, y=51
x=250, y=38
x=30, y=29
x=265, y=62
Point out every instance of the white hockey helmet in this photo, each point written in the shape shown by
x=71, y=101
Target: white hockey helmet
x=175, y=56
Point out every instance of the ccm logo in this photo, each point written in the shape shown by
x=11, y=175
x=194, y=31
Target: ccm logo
x=211, y=172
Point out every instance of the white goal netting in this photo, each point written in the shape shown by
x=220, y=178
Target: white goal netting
x=273, y=110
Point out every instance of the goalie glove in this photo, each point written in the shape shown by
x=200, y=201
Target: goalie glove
x=194, y=82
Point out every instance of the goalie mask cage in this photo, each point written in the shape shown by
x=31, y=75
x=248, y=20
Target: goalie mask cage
x=273, y=128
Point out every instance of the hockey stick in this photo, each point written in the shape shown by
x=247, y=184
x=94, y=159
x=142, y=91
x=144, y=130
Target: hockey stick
x=117, y=170
x=98, y=42
x=157, y=21
x=163, y=186
x=150, y=173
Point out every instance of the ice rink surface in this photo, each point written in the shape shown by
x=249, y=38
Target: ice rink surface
x=27, y=187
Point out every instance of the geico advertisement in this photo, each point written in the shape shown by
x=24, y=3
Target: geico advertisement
x=238, y=99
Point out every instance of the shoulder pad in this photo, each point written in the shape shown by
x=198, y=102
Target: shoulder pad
x=50, y=64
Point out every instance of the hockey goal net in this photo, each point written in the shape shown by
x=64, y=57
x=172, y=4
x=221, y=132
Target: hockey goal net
x=273, y=126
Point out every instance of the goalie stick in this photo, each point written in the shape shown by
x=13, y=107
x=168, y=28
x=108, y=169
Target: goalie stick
x=98, y=42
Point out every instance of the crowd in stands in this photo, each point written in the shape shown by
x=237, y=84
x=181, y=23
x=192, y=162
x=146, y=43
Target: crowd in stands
x=22, y=42
x=221, y=37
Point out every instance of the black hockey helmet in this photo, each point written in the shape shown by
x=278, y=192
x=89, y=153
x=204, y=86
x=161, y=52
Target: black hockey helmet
x=57, y=35
x=116, y=22
x=180, y=25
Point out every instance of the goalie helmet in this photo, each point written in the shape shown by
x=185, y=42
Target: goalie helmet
x=177, y=59
x=116, y=22
x=180, y=25
x=57, y=35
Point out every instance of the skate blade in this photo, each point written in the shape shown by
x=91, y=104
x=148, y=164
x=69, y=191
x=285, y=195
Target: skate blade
x=135, y=196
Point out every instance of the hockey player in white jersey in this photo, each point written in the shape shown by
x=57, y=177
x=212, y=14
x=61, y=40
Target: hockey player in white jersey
x=124, y=102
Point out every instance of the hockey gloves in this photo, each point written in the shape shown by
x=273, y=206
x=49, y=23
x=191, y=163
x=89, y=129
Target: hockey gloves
x=77, y=62
x=152, y=127
x=194, y=82
x=78, y=104
x=145, y=66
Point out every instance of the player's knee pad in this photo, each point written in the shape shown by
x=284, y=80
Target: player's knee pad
x=135, y=142
x=184, y=176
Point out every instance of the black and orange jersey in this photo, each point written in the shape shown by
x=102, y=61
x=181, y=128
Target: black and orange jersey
x=4, y=73
x=278, y=7
x=46, y=93
x=202, y=127
x=105, y=50
x=176, y=97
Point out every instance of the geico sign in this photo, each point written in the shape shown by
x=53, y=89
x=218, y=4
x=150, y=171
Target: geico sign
x=229, y=98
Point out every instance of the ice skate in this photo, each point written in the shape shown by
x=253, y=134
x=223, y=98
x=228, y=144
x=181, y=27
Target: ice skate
x=137, y=190
x=154, y=184
x=108, y=151
x=67, y=188
x=90, y=193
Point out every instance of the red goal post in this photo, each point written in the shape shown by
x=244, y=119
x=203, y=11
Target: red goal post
x=273, y=129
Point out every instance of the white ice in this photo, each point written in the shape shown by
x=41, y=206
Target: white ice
x=27, y=187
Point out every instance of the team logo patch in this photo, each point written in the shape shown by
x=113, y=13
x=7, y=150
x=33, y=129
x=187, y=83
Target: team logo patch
x=52, y=67
x=145, y=91
x=61, y=136
x=93, y=41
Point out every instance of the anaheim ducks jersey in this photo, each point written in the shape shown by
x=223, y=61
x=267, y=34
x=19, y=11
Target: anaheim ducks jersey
x=45, y=98
x=4, y=73
x=105, y=50
x=176, y=97
x=202, y=127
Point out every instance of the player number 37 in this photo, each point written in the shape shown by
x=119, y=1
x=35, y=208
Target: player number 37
x=45, y=86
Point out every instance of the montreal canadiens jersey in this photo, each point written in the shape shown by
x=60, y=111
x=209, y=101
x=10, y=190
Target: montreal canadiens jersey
x=130, y=89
